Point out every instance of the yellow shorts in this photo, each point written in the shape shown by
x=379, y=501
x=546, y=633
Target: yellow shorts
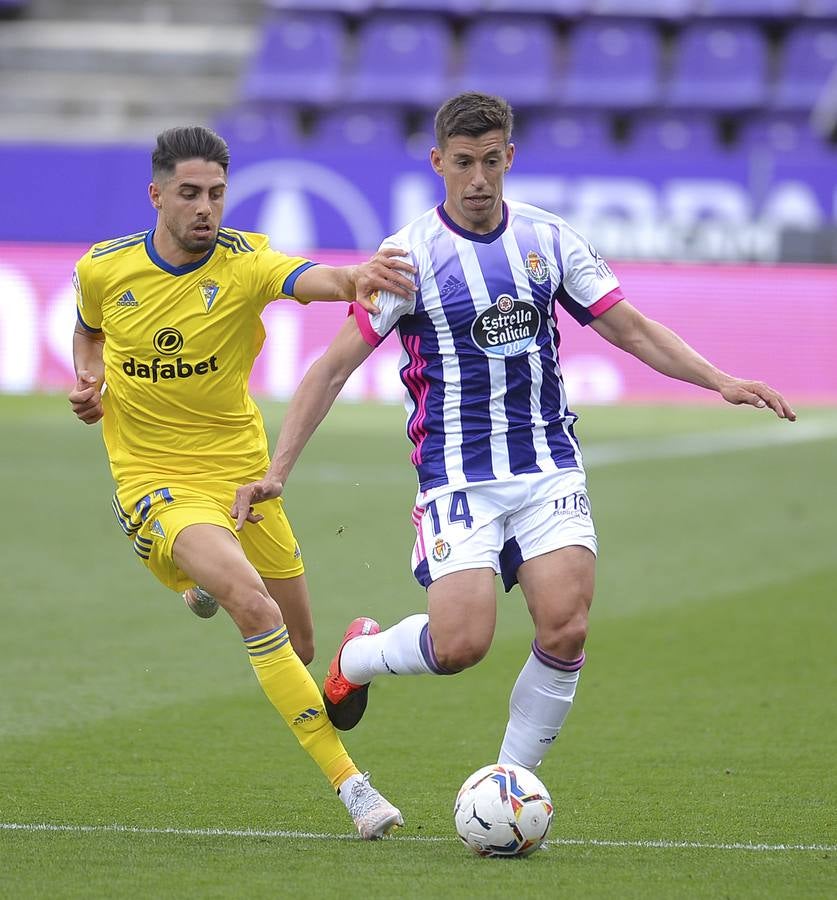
x=152, y=521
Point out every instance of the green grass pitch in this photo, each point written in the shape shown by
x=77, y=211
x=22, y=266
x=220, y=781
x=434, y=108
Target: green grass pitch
x=699, y=760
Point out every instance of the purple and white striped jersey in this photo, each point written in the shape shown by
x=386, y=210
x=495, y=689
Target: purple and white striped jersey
x=485, y=397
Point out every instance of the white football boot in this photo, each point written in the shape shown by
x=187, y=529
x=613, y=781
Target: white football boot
x=374, y=816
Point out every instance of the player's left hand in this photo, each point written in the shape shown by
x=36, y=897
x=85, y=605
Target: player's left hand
x=248, y=495
x=758, y=394
x=86, y=397
x=383, y=272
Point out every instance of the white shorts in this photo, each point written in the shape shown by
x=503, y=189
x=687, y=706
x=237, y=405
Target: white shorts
x=500, y=524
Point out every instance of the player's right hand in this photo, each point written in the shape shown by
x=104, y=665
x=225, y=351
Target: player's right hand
x=385, y=271
x=248, y=495
x=86, y=398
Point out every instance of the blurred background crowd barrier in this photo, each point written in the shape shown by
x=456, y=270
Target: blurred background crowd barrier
x=778, y=322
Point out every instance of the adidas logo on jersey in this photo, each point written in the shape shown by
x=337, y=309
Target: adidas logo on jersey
x=127, y=299
x=451, y=284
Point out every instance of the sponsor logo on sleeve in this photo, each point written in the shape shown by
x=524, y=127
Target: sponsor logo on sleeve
x=603, y=270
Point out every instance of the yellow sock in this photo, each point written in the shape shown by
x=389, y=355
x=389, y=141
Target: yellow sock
x=291, y=689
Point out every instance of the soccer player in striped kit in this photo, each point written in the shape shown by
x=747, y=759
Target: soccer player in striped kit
x=501, y=480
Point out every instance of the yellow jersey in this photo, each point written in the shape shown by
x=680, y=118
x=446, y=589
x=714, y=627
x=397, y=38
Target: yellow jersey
x=180, y=343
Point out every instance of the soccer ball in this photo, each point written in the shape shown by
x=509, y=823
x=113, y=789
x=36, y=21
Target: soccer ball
x=502, y=811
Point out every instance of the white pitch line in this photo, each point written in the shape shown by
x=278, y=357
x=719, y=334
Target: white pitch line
x=424, y=839
x=609, y=453
x=706, y=443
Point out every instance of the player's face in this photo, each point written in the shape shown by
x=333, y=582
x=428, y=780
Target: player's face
x=473, y=170
x=190, y=204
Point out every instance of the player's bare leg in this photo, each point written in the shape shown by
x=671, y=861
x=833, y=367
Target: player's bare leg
x=558, y=587
x=462, y=615
x=294, y=603
x=213, y=557
x=292, y=596
x=455, y=633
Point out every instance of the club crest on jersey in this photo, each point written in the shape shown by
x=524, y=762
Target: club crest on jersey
x=507, y=328
x=209, y=291
x=536, y=267
x=441, y=550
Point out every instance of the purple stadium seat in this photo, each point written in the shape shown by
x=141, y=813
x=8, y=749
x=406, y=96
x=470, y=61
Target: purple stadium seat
x=565, y=8
x=420, y=137
x=582, y=134
x=359, y=128
x=448, y=7
x=826, y=9
x=612, y=65
x=350, y=7
x=660, y=9
x=784, y=135
x=673, y=134
x=808, y=59
x=300, y=59
x=513, y=56
x=751, y=9
x=719, y=66
x=402, y=58
x=277, y=126
x=578, y=133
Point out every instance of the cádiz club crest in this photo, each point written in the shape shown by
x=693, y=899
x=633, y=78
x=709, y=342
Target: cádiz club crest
x=209, y=291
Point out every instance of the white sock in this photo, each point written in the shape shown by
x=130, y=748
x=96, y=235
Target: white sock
x=396, y=651
x=345, y=789
x=539, y=703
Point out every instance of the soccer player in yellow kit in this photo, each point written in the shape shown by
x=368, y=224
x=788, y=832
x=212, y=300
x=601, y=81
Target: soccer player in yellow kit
x=168, y=329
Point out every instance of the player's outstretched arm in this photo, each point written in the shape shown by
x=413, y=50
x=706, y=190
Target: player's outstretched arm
x=659, y=347
x=312, y=400
x=385, y=271
x=86, y=396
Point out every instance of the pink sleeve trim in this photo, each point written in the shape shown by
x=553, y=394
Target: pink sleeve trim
x=367, y=331
x=603, y=304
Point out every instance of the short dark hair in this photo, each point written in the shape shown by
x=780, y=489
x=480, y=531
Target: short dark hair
x=473, y=114
x=188, y=142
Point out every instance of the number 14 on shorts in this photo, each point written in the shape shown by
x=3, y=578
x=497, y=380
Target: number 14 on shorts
x=458, y=511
